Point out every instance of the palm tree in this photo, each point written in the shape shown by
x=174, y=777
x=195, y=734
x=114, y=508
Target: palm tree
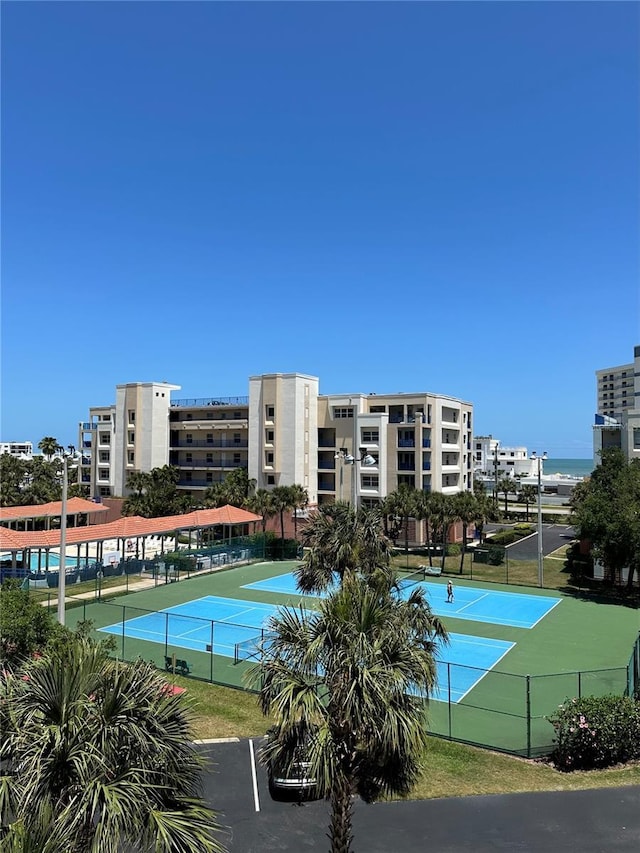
x=507, y=485
x=466, y=509
x=528, y=495
x=96, y=755
x=350, y=681
x=425, y=511
x=262, y=504
x=402, y=505
x=49, y=446
x=299, y=500
x=282, y=502
x=236, y=489
x=485, y=511
x=341, y=541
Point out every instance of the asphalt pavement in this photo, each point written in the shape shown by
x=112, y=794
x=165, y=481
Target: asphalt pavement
x=598, y=821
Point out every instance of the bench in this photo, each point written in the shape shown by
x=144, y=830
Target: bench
x=432, y=571
x=181, y=668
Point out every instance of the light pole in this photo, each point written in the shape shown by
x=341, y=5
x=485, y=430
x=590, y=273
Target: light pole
x=348, y=459
x=539, y=460
x=62, y=570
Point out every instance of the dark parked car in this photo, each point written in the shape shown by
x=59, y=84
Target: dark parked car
x=290, y=778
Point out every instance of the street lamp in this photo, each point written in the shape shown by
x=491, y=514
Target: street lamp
x=62, y=570
x=539, y=460
x=347, y=458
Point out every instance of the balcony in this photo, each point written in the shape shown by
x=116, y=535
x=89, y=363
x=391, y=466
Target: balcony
x=406, y=466
x=215, y=442
x=426, y=442
x=426, y=466
x=197, y=402
x=87, y=427
x=406, y=442
x=201, y=463
x=326, y=466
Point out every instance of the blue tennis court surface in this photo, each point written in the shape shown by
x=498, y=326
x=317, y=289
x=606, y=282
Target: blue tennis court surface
x=217, y=625
x=515, y=609
x=202, y=625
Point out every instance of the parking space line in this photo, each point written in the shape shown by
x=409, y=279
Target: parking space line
x=256, y=798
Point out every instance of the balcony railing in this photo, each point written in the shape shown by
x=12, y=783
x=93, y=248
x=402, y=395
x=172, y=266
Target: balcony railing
x=426, y=466
x=218, y=463
x=87, y=427
x=196, y=402
x=216, y=442
x=327, y=466
x=406, y=466
x=406, y=442
x=426, y=442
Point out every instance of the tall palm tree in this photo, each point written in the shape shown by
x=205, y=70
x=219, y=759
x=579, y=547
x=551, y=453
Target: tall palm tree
x=425, y=511
x=262, y=504
x=528, y=495
x=465, y=504
x=96, y=755
x=341, y=541
x=49, y=446
x=282, y=502
x=402, y=505
x=299, y=500
x=507, y=485
x=351, y=681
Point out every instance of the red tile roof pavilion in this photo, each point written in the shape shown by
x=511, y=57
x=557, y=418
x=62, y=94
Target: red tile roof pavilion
x=128, y=527
x=53, y=509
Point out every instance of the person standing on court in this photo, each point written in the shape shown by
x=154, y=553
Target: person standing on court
x=449, y=592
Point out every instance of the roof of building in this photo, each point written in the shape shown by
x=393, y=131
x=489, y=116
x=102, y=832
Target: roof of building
x=50, y=510
x=128, y=527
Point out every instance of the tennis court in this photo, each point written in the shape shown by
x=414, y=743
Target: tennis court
x=208, y=624
x=513, y=609
x=221, y=626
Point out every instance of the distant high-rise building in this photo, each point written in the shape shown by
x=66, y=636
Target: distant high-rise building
x=617, y=421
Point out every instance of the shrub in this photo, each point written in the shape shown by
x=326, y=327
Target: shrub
x=495, y=556
x=453, y=550
x=596, y=731
x=523, y=529
x=503, y=537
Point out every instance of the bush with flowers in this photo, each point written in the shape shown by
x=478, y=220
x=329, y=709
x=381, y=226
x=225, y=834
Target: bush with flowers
x=596, y=731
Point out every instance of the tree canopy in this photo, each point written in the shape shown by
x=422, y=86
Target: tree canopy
x=606, y=511
x=155, y=493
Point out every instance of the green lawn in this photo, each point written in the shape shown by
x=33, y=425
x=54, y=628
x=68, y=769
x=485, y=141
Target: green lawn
x=451, y=769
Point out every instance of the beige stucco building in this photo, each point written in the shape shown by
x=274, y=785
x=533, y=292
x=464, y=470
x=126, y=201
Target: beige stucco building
x=357, y=447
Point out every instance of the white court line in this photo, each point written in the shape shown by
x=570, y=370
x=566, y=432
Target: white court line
x=546, y=613
x=475, y=683
x=254, y=778
x=471, y=603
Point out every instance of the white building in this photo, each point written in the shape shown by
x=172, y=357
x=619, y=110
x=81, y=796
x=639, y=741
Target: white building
x=490, y=458
x=617, y=421
x=19, y=449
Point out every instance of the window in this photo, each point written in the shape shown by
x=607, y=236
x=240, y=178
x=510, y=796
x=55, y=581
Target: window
x=104, y=455
x=370, y=436
x=188, y=475
x=209, y=438
x=189, y=438
x=237, y=415
x=636, y=438
x=189, y=416
x=209, y=477
x=131, y=457
x=271, y=480
x=132, y=437
x=343, y=412
x=236, y=459
x=237, y=438
x=189, y=457
x=270, y=412
x=376, y=410
x=103, y=473
x=270, y=436
x=210, y=458
x=209, y=416
x=132, y=416
x=104, y=491
x=105, y=438
x=369, y=481
x=269, y=458
x=105, y=418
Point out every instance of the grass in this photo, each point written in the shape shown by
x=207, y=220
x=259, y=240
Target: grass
x=451, y=769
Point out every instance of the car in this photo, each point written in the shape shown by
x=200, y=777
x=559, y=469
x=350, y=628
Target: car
x=290, y=778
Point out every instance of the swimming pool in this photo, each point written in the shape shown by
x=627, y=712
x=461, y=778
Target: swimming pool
x=54, y=561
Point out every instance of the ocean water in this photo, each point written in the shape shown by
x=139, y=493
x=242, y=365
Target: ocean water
x=571, y=467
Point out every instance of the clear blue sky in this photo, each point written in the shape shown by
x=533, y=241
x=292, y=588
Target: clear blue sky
x=435, y=197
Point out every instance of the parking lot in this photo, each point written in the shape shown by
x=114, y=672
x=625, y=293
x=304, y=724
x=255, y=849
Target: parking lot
x=586, y=821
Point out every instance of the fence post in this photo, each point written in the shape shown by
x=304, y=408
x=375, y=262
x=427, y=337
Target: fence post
x=507, y=567
x=528, y=677
x=211, y=660
x=579, y=684
x=449, y=695
x=124, y=610
x=166, y=634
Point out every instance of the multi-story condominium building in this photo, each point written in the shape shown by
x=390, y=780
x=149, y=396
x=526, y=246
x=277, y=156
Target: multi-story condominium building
x=20, y=449
x=359, y=447
x=617, y=422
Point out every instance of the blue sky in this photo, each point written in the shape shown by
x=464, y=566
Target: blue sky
x=435, y=197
